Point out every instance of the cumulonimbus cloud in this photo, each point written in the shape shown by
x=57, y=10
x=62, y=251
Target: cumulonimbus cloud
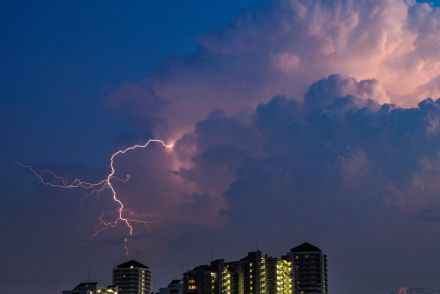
x=337, y=62
x=337, y=145
x=282, y=50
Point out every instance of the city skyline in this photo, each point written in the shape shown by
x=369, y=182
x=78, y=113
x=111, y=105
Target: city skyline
x=301, y=270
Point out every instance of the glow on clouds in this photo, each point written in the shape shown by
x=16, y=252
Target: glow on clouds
x=391, y=49
x=289, y=46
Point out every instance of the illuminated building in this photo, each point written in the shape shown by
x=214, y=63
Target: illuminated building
x=91, y=288
x=132, y=277
x=198, y=281
x=275, y=276
x=284, y=277
x=254, y=273
x=309, y=269
x=303, y=270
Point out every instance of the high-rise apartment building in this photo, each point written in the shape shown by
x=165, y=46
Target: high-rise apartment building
x=303, y=270
x=200, y=280
x=132, y=277
x=309, y=269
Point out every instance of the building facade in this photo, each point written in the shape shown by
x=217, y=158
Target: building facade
x=297, y=272
x=309, y=269
x=132, y=277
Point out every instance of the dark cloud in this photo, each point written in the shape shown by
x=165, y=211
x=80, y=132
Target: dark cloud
x=289, y=153
x=342, y=142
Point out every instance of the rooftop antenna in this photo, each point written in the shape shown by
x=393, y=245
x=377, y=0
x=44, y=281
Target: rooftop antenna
x=89, y=274
x=211, y=254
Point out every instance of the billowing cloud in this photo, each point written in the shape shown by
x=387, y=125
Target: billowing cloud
x=382, y=52
x=282, y=50
x=337, y=148
x=338, y=142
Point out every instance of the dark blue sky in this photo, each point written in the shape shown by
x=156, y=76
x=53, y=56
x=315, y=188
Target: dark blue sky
x=282, y=132
x=59, y=61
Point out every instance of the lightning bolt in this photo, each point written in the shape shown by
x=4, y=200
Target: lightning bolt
x=100, y=186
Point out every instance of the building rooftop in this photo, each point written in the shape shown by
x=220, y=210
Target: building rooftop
x=175, y=283
x=132, y=263
x=85, y=286
x=305, y=247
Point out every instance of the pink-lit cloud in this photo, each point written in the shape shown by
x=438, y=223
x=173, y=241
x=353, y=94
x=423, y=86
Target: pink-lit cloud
x=382, y=51
x=284, y=49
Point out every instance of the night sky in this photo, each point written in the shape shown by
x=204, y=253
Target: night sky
x=292, y=121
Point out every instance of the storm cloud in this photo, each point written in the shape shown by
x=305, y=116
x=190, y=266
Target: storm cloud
x=282, y=49
x=347, y=148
